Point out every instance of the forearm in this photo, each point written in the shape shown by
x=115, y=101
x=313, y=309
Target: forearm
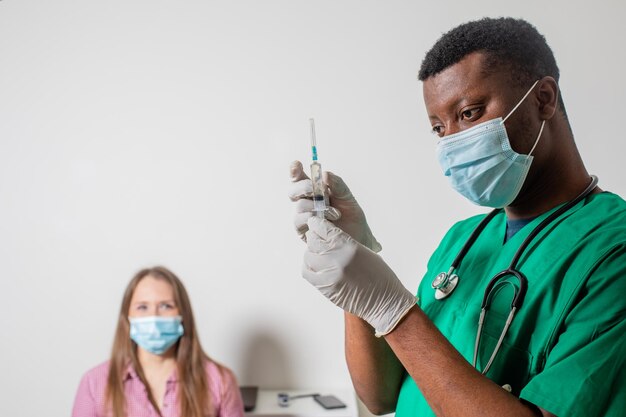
x=375, y=371
x=451, y=385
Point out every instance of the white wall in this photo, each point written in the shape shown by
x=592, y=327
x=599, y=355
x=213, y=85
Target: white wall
x=135, y=133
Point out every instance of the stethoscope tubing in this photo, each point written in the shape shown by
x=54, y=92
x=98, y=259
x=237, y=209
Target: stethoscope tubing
x=520, y=294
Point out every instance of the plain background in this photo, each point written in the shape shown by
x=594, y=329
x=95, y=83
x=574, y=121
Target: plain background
x=136, y=133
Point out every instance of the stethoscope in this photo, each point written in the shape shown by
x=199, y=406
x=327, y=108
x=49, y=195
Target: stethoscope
x=445, y=283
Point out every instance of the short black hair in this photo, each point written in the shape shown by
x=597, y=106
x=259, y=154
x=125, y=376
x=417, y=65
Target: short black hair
x=513, y=44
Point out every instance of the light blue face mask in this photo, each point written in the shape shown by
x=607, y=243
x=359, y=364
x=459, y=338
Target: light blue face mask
x=154, y=333
x=482, y=166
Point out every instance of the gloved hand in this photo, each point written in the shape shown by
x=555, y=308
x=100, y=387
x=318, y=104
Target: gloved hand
x=354, y=277
x=343, y=209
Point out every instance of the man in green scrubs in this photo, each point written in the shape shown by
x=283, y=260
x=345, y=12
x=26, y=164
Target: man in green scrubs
x=565, y=351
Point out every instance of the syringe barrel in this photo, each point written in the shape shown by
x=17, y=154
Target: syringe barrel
x=319, y=204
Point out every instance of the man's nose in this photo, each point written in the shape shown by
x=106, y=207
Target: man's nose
x=452, y=128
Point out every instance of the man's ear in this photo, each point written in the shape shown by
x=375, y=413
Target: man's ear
x=547, y=95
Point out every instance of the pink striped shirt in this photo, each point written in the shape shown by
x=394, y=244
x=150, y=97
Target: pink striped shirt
x=90, y=402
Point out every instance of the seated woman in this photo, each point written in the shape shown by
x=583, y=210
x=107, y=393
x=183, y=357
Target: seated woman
x=157, y=366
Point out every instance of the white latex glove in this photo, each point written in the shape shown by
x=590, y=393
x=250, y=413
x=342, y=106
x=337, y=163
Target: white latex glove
x=354, y=277
x=343, y=209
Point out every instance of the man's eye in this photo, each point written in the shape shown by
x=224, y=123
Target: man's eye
x=437, y=130
x=470, y=114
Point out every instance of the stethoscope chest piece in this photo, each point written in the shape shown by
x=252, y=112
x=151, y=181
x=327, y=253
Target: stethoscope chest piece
x=444, y=284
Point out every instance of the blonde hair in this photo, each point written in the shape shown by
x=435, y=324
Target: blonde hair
x=194, y=399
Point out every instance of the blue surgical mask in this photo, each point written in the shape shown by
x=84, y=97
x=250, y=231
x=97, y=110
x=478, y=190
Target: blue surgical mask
x=482, y=166
x=156, y=334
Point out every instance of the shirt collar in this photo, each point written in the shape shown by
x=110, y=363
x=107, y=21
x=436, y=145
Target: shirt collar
x=130, y=373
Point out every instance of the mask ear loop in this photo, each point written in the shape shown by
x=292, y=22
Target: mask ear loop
x=543, y=123
x=520, y=102
x=515, y=108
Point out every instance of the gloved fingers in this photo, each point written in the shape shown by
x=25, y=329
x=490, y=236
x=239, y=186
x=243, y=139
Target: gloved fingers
x=300, y=222
x=296, y=172
x=304, y=210
x=315, y=243
x=300, y=189
x=375, y=245
x=318, y=228
x=332, y=214
x=323, y=235
x=305, y=204
x=319, y=271
x=301, y=186
x=337, y=187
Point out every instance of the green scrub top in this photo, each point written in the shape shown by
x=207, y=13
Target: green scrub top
x=566, y=349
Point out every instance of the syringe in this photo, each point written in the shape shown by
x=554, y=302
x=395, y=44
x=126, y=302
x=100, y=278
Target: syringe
x=319, y=204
